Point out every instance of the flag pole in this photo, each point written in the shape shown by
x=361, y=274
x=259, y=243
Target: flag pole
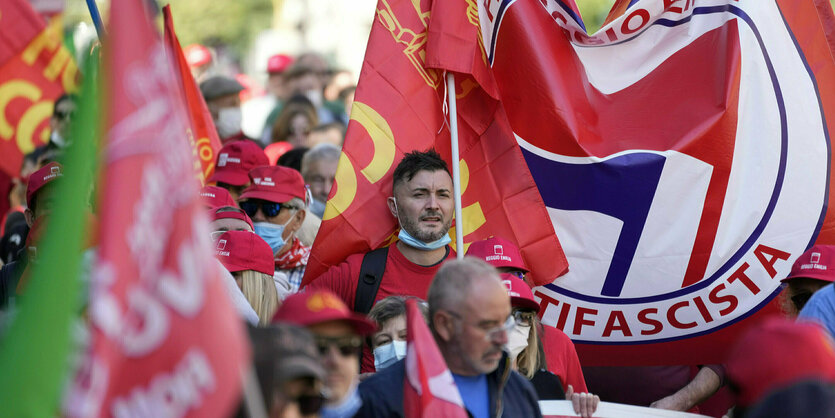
x=96, y=16
x=456, y=170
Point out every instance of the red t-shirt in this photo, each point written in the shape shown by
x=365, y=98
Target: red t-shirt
x=401, y=277
x=562, y=359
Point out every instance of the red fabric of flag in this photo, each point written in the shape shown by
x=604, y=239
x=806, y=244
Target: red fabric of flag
x=429, y=390
x=400, y=107
x=165, y=338
x=35, y=69
x=202, y=134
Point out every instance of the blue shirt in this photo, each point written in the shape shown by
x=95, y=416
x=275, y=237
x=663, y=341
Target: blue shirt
x=474, y=392
x=821, y=309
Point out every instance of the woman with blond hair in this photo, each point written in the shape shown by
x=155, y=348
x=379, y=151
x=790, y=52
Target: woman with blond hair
x=250, y=260
x=527, y=353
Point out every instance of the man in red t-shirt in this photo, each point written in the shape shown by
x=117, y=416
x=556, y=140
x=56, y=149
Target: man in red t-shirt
x=422, y=202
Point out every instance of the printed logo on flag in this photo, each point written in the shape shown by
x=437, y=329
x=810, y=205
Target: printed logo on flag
x=667, y=241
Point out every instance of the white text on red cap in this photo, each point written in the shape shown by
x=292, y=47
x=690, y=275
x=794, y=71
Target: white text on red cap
x=224, y=158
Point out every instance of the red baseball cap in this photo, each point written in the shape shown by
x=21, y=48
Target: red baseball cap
x=520, y=294
x=216, y=197
x=197, y=55
x=278, y=63
x=230, y=212
x=316, y=306
x=244, y=250
x=817, y=262
x=41, y=178
x=499, y=252
x=776, y=353
x=235, y=160
x=274, y=184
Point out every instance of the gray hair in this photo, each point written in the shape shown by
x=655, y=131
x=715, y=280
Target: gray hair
x=453, y=281
x=296, y=203
x=320, y=152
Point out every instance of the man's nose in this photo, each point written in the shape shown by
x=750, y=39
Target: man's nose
x=432, y=202
x=500, y=338
x=259, y=216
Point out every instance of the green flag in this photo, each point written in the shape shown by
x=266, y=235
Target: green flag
x=36, y=348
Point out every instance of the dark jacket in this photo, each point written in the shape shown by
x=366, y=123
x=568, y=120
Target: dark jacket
x=511, y=395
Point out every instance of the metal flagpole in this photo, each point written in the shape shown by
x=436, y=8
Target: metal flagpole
x=456, y=171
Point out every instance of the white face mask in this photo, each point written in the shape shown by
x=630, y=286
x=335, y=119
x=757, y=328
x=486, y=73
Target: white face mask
x=517, y=340
x=228, y=121
x=57, y=139
x=315, y=97
x=388, y=354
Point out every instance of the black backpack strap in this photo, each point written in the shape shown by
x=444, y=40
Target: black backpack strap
x=371, y=274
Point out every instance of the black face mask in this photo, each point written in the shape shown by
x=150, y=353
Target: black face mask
x=799, y=300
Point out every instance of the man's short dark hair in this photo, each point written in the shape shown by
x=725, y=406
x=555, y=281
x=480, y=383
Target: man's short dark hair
x=415, y=161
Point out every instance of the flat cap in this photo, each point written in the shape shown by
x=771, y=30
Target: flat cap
x=219, y=86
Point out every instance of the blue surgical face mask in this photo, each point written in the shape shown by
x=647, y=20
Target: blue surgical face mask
x=272, y=234
x=388, y=354
x=411, y=241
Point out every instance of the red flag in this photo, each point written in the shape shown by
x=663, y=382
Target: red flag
x=429, y=390
x=35, y=69
x=399, y=107
x=202, y=135
x=165, y=338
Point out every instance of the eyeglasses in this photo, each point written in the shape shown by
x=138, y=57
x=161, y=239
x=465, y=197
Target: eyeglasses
x=346, y=346
x=270, y=209
x=523, y=318
x=492, y=333
x=216, y=234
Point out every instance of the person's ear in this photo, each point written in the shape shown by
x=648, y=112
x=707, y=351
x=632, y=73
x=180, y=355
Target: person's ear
x=30, y=217
x=392, y=204
x=299, y=218
x=443, y=325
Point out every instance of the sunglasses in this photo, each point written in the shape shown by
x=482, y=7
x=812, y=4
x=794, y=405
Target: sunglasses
x=270, y=209
x=347, y=346
x=518, y=273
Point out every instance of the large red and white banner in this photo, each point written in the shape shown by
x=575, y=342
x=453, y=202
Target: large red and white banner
x=165, y=338
x=683, y=153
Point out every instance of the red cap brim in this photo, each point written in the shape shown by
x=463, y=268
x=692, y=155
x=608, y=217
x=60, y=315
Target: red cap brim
x=266, y=195
x=525, y=303
x=229, y=177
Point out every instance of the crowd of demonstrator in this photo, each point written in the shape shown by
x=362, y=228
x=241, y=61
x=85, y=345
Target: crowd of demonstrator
x=336, y=347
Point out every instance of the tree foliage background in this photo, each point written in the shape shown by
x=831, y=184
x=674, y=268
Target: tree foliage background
x=236, y=23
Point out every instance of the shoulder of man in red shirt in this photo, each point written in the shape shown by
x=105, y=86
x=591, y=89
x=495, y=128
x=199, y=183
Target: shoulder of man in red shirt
x=341, y=279
x=562, y=359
